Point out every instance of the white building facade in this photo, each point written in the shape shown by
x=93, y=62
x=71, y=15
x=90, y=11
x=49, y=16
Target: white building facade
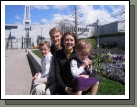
x=26, y=35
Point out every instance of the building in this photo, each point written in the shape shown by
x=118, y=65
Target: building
x=26, y=35
x=112, y=27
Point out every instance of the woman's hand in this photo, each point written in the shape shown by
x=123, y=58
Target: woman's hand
x=69, y=91
x=36, y=76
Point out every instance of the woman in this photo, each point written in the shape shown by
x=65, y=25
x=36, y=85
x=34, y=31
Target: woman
x=62, y=62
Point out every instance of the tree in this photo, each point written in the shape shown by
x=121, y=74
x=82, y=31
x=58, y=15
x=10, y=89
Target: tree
x=65, y=24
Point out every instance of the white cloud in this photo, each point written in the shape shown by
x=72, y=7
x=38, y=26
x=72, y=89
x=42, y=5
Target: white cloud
x=117, y=9
x=90, y=15
x=44, y=20
x=57, y=18
x=60, y=7
x=40, y=7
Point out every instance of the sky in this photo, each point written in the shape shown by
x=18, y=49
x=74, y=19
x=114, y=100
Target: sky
x=53, y=13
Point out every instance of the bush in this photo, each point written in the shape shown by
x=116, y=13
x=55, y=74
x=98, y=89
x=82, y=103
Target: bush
x=108, y=35
x=35, y=47
x=108, y=45
x=92, y=41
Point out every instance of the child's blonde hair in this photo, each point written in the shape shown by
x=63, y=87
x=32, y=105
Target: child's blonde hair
x=83, y=44
x=45, y=42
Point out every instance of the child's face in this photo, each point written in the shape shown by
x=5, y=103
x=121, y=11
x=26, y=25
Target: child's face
x=44, y=50
x=83, y=54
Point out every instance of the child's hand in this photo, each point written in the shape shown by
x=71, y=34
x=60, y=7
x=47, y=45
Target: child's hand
x=36, y=76
x=87, y=62
x=90, y=66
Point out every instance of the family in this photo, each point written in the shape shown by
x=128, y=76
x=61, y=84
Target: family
x=65, y=66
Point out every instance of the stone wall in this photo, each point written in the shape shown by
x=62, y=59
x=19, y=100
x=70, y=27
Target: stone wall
x=36, y=61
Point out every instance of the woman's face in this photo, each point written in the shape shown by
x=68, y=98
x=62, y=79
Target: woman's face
x=69, y=42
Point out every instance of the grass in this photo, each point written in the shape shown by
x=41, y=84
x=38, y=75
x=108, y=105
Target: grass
x=109, y=87
x=37, y=52
x=106, y=86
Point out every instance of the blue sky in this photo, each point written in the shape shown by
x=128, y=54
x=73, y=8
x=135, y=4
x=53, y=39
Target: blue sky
x=54, y=13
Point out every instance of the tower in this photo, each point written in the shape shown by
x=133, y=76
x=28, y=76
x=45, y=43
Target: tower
x=26, y=20
x=27, y=24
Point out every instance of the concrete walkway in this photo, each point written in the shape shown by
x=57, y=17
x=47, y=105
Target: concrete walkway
x=18, y=73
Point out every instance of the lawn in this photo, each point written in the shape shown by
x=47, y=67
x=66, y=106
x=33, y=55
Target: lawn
x=109, y=87
x=37, y=52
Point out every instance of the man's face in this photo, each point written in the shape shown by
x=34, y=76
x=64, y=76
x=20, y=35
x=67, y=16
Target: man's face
x=56, y=38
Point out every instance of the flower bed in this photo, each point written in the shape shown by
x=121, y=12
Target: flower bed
x=109, y=66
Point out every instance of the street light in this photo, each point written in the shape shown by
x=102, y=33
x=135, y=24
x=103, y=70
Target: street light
x=97, y=27
x=41, y=34
x=97, y=34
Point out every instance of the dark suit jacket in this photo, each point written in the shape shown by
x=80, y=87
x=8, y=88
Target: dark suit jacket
x=53, y=49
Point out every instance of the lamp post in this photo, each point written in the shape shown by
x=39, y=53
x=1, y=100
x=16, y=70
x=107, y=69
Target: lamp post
x=97, y=34
x=41, y=34
x=97, y=29
x=22, y=43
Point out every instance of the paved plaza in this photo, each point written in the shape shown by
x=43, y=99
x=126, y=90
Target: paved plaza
x=18, y=73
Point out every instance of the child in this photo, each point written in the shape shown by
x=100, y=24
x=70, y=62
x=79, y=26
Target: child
x=81, y=67
x=46, y=77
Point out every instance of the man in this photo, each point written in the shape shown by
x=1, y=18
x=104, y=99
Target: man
x=55, y=35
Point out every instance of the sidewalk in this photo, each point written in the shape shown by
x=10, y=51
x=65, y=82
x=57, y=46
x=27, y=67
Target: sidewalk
x=18, y=74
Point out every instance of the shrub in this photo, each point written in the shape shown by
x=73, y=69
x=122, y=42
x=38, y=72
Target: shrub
x=92, y=41
x=108, y=45
x=36, y=47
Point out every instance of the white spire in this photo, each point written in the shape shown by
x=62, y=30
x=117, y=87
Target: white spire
x=27, y=20
x=27, y=12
